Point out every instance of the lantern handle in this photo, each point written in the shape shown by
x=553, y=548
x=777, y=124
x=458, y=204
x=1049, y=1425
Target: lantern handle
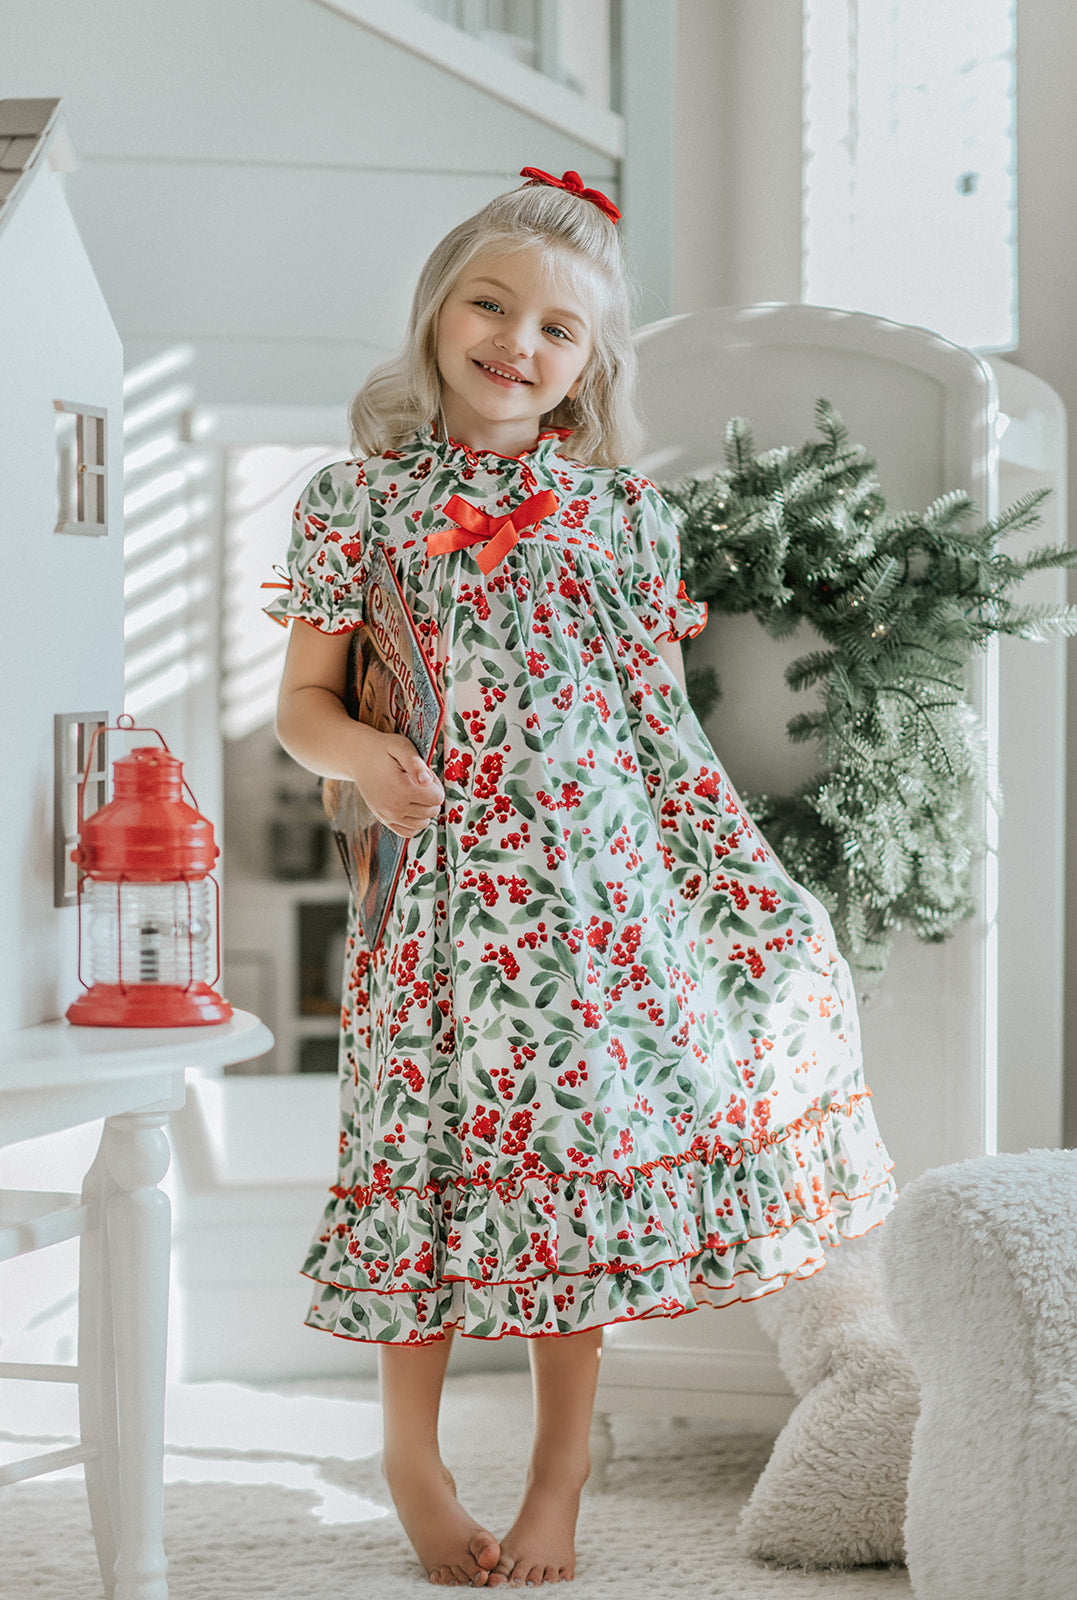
x=125, y=723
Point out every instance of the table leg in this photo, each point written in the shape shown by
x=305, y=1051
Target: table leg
x=97, y=1371
x=139, y=1227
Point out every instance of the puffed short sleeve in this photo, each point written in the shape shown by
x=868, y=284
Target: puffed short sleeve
x=325, y=568
x=653, y=564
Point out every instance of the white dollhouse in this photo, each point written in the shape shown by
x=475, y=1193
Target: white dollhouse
x=61, y=521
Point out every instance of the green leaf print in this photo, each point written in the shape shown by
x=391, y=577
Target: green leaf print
x=526, y=1091
x=545, y=995
x=488, y=975
x=655, y=972
x=559, y=1054
x=515, y=792
x=513, y=997
x=485, y=1082
x=543, y=885
x=548, y=1151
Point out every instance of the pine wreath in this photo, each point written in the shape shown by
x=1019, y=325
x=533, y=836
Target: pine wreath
x=887, y=831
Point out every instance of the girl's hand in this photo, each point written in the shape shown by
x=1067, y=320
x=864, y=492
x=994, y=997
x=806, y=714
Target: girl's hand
x=396, y=783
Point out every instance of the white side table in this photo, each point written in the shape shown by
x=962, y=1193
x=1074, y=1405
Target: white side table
x=54, y=1077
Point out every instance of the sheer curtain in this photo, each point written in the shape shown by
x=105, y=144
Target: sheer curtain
x=909, y=200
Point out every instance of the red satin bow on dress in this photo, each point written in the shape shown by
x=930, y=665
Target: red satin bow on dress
x=574, y=184
x=497, y=534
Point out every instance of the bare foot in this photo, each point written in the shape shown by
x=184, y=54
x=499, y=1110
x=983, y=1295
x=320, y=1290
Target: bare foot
x=453, y=1548
x=540, y=1545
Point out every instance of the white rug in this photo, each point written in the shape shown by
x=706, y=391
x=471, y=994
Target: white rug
x=275, y=1495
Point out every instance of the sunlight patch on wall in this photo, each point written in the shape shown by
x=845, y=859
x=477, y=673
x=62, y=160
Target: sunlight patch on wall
x=261, y=485
x=169, y=559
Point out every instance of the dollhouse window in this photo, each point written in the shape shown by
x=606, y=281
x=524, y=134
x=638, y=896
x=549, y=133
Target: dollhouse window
x=909, y=194
x=73, y=733
x=81, y=490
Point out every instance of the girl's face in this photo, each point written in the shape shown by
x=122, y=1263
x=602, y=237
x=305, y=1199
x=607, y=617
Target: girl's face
x=512, y=341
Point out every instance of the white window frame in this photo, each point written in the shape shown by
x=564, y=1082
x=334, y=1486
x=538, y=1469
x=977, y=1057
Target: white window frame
x=81, y=469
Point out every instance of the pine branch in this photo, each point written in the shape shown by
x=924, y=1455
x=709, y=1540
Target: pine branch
x=886, y=834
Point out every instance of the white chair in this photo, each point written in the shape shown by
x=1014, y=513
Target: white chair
x=32, y=1220
x=54, y=1077
x=929, y=412
x=119, y=1193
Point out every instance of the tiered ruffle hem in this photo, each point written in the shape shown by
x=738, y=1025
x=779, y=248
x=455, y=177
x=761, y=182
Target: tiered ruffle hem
x=558, y=1253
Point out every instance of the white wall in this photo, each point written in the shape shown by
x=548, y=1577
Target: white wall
x=702, y=159
x=61, y=641
x=1047, y=205
x=737, y=167
x=263, y=178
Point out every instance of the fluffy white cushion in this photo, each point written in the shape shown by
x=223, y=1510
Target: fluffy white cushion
x=833, y=1492
x=980, y=1264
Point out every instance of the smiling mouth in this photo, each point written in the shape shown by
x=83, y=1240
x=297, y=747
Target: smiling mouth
x=501, y=373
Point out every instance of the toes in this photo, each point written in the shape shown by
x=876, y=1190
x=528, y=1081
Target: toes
x=486, y=1550
x=449, y=1576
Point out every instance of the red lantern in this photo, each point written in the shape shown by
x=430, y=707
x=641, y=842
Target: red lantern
x=146, y=858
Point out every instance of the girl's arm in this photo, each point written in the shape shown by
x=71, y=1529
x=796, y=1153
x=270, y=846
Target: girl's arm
x=314, y=727
x=670, y=651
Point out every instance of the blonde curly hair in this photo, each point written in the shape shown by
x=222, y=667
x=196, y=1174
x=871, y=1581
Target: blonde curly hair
x=580, y=246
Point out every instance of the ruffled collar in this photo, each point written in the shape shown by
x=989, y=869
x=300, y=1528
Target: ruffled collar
x=450, y=449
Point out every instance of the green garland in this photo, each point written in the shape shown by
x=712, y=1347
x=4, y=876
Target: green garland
x=886, y=833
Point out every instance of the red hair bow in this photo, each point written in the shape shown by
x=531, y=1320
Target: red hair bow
x=574, y=184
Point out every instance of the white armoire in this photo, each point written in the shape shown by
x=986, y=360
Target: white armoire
x=962, y=1040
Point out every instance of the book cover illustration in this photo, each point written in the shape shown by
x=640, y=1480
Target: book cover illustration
x=390, y=686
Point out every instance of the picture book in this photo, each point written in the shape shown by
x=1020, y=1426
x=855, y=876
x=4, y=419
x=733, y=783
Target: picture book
x=390, y=686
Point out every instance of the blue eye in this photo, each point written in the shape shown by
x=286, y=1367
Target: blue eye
x=562, y=333
x=488, y=305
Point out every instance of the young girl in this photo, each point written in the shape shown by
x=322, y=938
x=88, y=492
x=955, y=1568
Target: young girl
x=604, y=1064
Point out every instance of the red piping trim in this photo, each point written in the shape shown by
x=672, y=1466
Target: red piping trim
x=365, y=1193
x=605, y=1267
x=646, y=1316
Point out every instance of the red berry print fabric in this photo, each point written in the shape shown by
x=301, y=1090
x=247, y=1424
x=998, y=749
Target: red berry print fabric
x=605, y=1063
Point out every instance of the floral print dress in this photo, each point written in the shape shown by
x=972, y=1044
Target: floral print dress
x=604, y=1064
